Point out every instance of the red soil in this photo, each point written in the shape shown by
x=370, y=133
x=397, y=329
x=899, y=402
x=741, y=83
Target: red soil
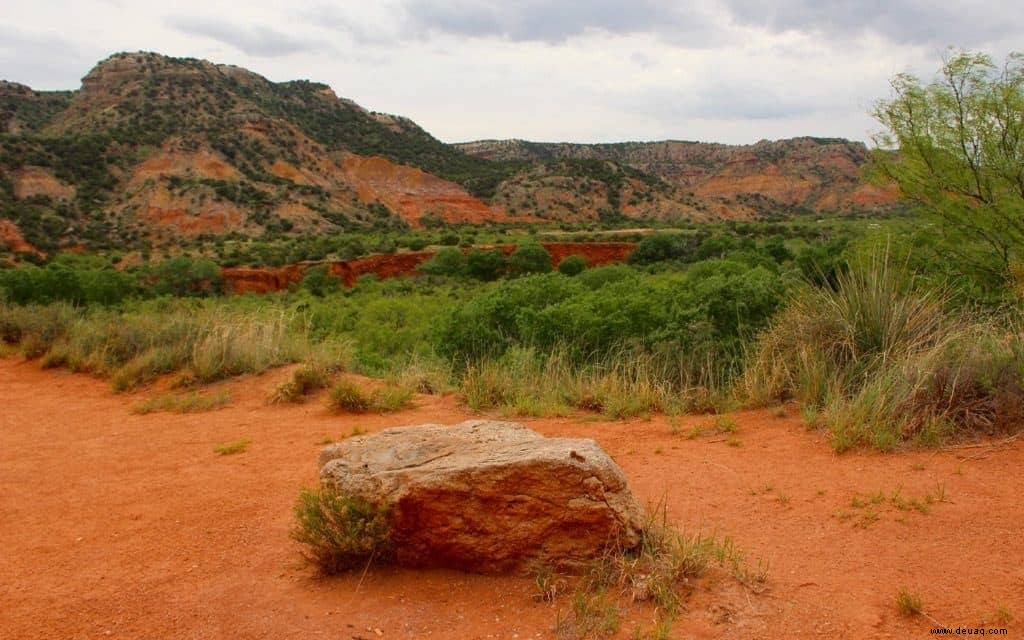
x=267, y=279
x=11, y=236
x=126, y=526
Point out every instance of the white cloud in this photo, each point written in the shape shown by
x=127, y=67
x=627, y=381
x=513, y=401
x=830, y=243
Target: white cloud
x=723, y=70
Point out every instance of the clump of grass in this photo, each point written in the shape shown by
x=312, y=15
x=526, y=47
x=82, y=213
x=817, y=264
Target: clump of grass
x=885, y=365
x=350, y=397
x=1002, y=615
x=189, y=403
x=340, y=532
x=308, y=378
x=909, y=603
x=659, y=570
x=387, y=399
x=232, y=448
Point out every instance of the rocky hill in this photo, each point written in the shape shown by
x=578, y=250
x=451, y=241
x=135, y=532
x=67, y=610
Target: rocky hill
x=770, y=177
x=153, y=150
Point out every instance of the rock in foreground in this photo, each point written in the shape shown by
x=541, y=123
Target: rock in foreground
x=488, y=496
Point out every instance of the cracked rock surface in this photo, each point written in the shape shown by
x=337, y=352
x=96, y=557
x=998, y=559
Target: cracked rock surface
x=488, y=496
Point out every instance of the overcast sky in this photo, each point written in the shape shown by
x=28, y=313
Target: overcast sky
x=554, y=70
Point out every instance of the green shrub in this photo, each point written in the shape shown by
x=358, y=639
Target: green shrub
x=306, y=379
x=340, y=532
x=529, y=258
x=350, y=397
x=318, y=281
x=448, y=261
x=572, y=265
x=485, y=265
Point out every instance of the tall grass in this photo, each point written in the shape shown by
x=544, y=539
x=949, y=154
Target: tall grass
x=132, y=348
x=884, y=363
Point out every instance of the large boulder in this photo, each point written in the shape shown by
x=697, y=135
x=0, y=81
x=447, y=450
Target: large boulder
x=488, y=496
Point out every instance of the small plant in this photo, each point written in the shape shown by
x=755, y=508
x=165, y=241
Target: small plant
x=1003, y=616
x=909, y=603
x=340, y=532
x=386, y=399
x=347, y=396
x=733, y=442
x=231, y=448
x=306, y=379
x=549, y=584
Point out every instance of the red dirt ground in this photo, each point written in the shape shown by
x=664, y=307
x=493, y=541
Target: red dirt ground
x=125, y=526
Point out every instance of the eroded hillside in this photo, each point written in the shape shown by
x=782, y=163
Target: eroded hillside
x=154, y=151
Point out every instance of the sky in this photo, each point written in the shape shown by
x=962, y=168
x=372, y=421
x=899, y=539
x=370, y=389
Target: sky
x=733, y=71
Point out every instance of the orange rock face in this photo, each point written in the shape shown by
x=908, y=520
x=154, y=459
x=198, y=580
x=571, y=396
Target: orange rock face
x=202, y=164
x=413, y=193
x=36, y=181
x=11, y=236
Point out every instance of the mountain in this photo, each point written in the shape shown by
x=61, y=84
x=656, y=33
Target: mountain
x=153, y=150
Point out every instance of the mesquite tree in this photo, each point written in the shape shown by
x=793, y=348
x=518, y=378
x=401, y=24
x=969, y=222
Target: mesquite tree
x=955, y=148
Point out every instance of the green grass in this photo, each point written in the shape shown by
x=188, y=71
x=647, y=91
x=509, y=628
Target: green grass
x=188, y=403
x=232, y=448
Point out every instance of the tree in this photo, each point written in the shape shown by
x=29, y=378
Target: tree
x=955, y=148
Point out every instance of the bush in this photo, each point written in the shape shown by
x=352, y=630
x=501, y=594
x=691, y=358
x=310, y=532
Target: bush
x=348, y=396
x=318, y=281
x=572, y=265
x=306, y=379
x=448, y=261
x=340, y=532
x=485, y=265
x=659, y=247
x=529, y=258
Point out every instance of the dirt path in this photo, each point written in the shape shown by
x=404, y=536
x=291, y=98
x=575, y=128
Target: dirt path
x=126, y=526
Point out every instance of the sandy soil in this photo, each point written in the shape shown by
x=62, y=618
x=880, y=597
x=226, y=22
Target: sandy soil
x=126, y=526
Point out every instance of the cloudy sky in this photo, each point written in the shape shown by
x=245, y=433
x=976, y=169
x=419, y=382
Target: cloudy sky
x=605, y=70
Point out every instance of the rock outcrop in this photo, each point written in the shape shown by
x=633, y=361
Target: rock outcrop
x=488, y=496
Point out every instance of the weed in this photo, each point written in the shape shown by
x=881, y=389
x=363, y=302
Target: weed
x=327, y=440
x=1002, y=615
x=231, y=448
x=306, y=379
x=389, y=398
x=733, y=442
x=350, y=397
x=908, y=603
x=340, y=532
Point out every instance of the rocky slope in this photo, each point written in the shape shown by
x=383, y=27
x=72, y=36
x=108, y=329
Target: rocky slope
x=153, y=151
x=770, y=177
